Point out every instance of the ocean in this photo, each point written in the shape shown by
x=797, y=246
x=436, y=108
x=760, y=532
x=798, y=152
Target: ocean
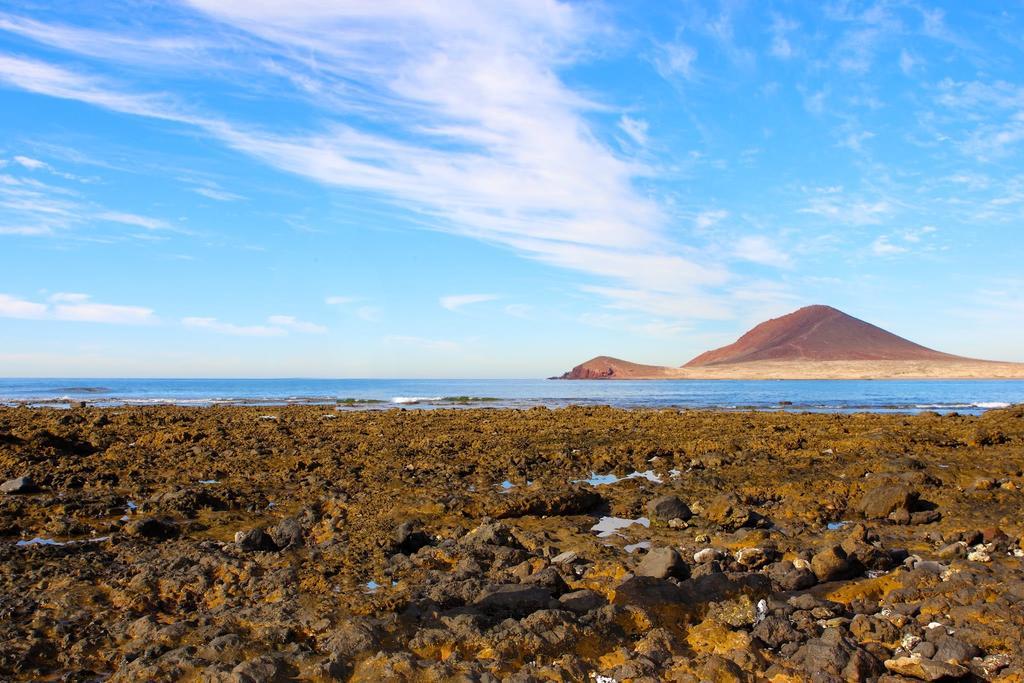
x=909, y=396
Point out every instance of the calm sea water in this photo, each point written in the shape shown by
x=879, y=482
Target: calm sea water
x=973, y=396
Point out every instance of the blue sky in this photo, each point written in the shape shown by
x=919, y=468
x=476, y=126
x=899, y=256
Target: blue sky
x=498, y=189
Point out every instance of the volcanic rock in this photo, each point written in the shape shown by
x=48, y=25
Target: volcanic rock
x=924, y=669
x=831, y=564
x=151, y=527
x=254, y=540
x=729, y=512
x=882, y=501
x=667, y=508
x=582, y=601
x=661, y=563
x=514, y=599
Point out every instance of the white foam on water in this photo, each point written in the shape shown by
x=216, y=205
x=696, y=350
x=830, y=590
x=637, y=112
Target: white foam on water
x=987, y=405
x=208, y=482
x=412, y=400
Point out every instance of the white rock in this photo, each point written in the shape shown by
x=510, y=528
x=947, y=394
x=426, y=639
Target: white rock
x=707, y=555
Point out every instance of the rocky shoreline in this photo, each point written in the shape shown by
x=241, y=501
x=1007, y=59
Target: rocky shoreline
x=302, y=543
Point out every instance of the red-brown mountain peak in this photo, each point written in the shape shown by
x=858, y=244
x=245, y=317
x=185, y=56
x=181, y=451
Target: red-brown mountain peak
x=817, y=333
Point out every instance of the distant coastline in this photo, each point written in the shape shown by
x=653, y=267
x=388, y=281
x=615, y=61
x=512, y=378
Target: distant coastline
x=605, y=368
x=814, y=342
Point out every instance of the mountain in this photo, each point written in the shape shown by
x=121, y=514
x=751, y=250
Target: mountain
x=818, y=333
x=606, y=367
x=815, y=342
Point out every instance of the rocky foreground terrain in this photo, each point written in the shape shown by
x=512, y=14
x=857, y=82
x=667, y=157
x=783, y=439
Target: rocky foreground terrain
x=303, y=543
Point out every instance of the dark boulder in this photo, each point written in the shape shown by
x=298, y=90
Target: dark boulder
x=582, y=601
x=255, y=540
x=729, y=512
x=287, y=533
x=832, y=564
x=154, y=528
x=409, y=537
x=661, y=563
x=880, y=502
x=513, y=599
x=668, y=508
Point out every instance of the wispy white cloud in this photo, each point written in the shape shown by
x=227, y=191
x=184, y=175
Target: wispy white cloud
x=370, y=314
x=762, y=250
x=30, y=163
x=781, y=45
x=456, y=302
x=636, y=129
x=722, y=30
x=708, y=219
x=882, y=246
x=366, y=312
x=13, y=307
x=216, y=194
x=519, y=310
x=995, y=110
x=520, y=136
x=133, y=219
x=74, y=308
x=907, y=62
x=904, y=241
x=479, y=125
x=214, y=325
x=658, y=329
x=113, y=44
x=69, y=297
x=672, y=306
x=103, y=313
x=677, y=60
x=814, y=102
x=276, y=326
x=847, y=210
x=42, y=78
x=854, y=140
x=293, y=324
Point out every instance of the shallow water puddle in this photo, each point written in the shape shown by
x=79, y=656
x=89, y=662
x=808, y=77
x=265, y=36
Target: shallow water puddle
x=596, y=479
x=633, y=547
x=208, y=482
x=835, y=526
x=507, y=485
x=373, y=586
x=609, y=526
x=50, y=541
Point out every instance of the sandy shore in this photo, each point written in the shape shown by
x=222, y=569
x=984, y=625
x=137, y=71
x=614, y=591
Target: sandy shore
x=299, y=543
